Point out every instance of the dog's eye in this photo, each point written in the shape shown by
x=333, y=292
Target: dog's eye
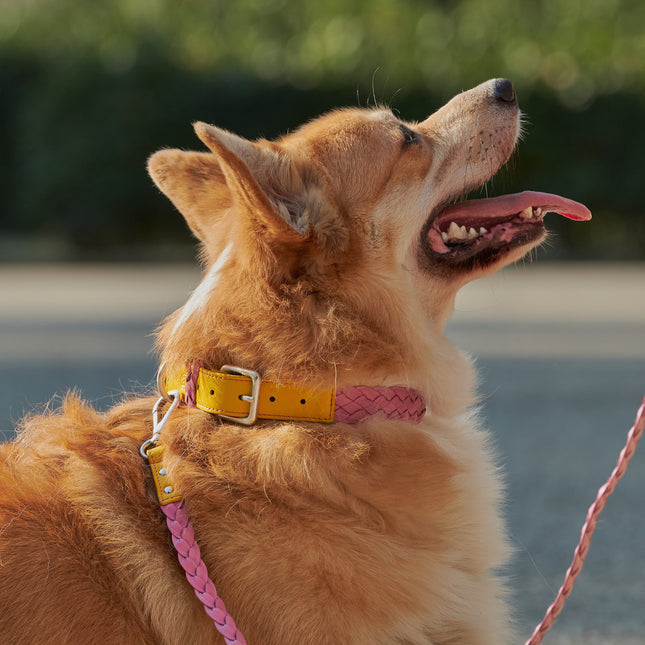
x=409, y=136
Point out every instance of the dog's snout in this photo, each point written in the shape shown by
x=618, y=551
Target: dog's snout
x=503, y=90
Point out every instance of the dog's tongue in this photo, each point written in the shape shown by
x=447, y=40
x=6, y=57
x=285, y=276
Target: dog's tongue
x=515, y=203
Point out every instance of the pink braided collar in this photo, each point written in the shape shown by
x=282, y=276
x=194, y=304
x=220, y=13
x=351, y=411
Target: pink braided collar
x=356, y=403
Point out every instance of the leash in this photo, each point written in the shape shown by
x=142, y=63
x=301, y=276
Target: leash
x=183, y=539
x=183, y=534
x=580, y=553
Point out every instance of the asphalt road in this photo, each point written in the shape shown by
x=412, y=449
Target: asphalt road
x=561, y=351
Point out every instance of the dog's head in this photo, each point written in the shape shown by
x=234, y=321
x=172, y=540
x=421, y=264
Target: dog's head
x=337, y=250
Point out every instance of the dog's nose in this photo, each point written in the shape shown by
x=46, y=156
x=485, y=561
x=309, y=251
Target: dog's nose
x=503, y=90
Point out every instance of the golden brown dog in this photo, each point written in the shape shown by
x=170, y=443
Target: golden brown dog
x=333, y=256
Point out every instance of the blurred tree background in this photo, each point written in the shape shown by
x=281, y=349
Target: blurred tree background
x=89, y=89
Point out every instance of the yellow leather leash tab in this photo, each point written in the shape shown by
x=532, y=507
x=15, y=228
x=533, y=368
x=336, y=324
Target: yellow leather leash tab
x=166, y=490
x=229, y=394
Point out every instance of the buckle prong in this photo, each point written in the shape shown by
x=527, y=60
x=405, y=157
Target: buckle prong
x=252, y=399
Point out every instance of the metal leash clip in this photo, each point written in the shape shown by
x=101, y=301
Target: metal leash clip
x=158, y=424
x=161, y=382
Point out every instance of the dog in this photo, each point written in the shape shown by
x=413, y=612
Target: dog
x=332, y=259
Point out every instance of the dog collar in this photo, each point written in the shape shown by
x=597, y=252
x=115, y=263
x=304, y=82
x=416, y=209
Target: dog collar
x=242, y=396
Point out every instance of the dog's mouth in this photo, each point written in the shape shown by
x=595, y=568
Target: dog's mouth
x=479, y=232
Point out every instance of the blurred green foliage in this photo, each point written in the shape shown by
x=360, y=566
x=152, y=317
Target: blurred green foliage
x=89, y=89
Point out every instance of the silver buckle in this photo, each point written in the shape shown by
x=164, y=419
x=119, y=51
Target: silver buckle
x=253, y=399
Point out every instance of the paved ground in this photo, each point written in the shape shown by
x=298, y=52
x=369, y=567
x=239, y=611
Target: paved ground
x=561, y=350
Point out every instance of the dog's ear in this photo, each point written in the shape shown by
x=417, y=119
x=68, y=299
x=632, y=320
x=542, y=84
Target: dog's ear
x=194, y=183
x=283, y=196
x=236, y=157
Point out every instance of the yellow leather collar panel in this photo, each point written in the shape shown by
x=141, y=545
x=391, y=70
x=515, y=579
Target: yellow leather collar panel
x=221, y=393
x=166, y=490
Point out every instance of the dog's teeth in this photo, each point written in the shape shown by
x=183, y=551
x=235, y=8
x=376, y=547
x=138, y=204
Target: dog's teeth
x=453, y=231
x=444, y=236
x=527, y=213
x=463, y=233
x=537, y=212
x=483, y=231
x=472, y=233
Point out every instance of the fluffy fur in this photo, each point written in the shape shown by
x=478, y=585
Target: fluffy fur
x=378, y=533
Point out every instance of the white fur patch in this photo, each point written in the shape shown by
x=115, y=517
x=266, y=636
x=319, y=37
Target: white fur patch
x=200, y=296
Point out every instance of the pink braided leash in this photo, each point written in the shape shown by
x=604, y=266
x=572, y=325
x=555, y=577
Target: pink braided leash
x=352, y=405
x=183, y=538
x=589, y=527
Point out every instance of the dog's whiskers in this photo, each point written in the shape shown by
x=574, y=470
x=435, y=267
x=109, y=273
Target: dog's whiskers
x=535, y=566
